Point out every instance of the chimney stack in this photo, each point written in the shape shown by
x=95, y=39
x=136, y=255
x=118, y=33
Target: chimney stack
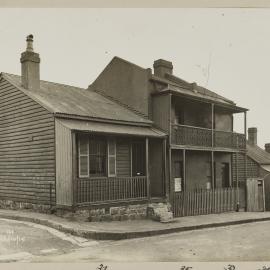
x=267, y=147
x=252, y=136
x=161, y=67
x=30, y=66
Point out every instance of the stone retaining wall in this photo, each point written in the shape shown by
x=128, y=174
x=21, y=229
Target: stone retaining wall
x=108, y=213
x=8, y=204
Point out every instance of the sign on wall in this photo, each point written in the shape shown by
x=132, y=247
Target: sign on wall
x=177, y=184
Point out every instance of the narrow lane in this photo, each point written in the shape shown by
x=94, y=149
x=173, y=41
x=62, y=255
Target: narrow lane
x=22, y=241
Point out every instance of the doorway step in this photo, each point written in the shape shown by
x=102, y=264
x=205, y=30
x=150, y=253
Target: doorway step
x=160, y=212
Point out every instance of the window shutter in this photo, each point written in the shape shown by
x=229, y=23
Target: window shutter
x=111, y=158
x=83, y=157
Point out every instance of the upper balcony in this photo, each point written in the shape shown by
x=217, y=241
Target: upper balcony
x=198, y=124
x=204, y=137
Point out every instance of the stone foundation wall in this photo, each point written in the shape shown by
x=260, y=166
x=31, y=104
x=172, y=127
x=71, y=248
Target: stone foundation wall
x=108, y=213
x=115, y=213
x=7, y=204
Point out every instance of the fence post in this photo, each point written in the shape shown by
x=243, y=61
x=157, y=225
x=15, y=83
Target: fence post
x=50, y=195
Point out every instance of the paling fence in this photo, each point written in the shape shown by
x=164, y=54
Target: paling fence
x=204, y=201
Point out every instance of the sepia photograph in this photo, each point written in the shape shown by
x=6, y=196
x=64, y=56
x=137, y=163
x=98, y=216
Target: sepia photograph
x=134, y=135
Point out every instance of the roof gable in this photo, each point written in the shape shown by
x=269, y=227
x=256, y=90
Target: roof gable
x=258, y=154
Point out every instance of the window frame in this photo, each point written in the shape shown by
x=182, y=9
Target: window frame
x=98, y=139
x=79, y=158
x=108, y=142
x=113, y=142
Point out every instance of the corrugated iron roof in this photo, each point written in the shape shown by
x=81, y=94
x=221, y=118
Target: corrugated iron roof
x=111, y=128
x=258, y=154
x=70, y=100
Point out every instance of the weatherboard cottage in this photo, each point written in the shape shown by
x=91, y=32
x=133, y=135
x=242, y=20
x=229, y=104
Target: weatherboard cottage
x=131, y=145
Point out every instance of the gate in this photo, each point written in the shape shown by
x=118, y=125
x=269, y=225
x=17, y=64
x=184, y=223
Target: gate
x=267, y=192
x=205, y=201
x=255, y=195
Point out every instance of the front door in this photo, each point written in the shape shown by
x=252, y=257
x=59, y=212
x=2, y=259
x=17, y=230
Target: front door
x=225, y=174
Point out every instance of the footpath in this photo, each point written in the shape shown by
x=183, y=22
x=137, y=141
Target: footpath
x=117, y=230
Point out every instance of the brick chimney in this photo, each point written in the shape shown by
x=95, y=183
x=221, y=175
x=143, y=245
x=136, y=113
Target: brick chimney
x=161, y=67
x=252, y=136
x=267, y=147
x=30, y=66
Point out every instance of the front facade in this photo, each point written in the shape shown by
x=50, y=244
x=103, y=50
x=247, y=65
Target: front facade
x=122, y=144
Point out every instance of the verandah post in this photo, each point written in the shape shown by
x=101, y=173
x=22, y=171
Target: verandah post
x=165, y=184
x=184, y=169
x=212, y=144
x=74, y=170
x=147, y=167
x=245, y=127
x=237, y=179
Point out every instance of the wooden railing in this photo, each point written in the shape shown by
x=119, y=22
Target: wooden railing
x=202, y=202
x=229, y=139
x=194, y=136
x=197, y=136
x=106, y=189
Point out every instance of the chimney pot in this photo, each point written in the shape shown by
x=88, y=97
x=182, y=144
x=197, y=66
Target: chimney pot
x=161, y=67
x=30, y=60
x=29, y=40
x=267, y=147
x=252, y=135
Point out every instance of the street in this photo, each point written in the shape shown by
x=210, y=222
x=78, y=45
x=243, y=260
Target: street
x=22, y=241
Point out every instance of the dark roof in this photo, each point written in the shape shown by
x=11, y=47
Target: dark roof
x=258, y=154
x=74, y=101
x=179, y=86
x=92, y=126
x=194, y=87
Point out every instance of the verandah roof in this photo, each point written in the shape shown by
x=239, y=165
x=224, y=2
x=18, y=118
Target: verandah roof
x=108, y=128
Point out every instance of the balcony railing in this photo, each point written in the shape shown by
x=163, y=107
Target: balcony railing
x=196, y=136
x=107, y=189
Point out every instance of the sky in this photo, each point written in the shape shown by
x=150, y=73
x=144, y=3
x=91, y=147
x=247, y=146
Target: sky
x=225, y=50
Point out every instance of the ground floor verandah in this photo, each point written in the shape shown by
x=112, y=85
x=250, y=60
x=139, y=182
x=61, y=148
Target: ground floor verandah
x=107, y=165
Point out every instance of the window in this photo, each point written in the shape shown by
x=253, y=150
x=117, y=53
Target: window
x=111, y=158
x=97, y=157
x=83, y=157
x=92, y=156
x=138, y=159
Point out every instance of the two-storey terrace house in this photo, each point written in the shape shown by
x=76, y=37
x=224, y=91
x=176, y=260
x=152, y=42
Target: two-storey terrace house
x=134, y=138
x=201, y=147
